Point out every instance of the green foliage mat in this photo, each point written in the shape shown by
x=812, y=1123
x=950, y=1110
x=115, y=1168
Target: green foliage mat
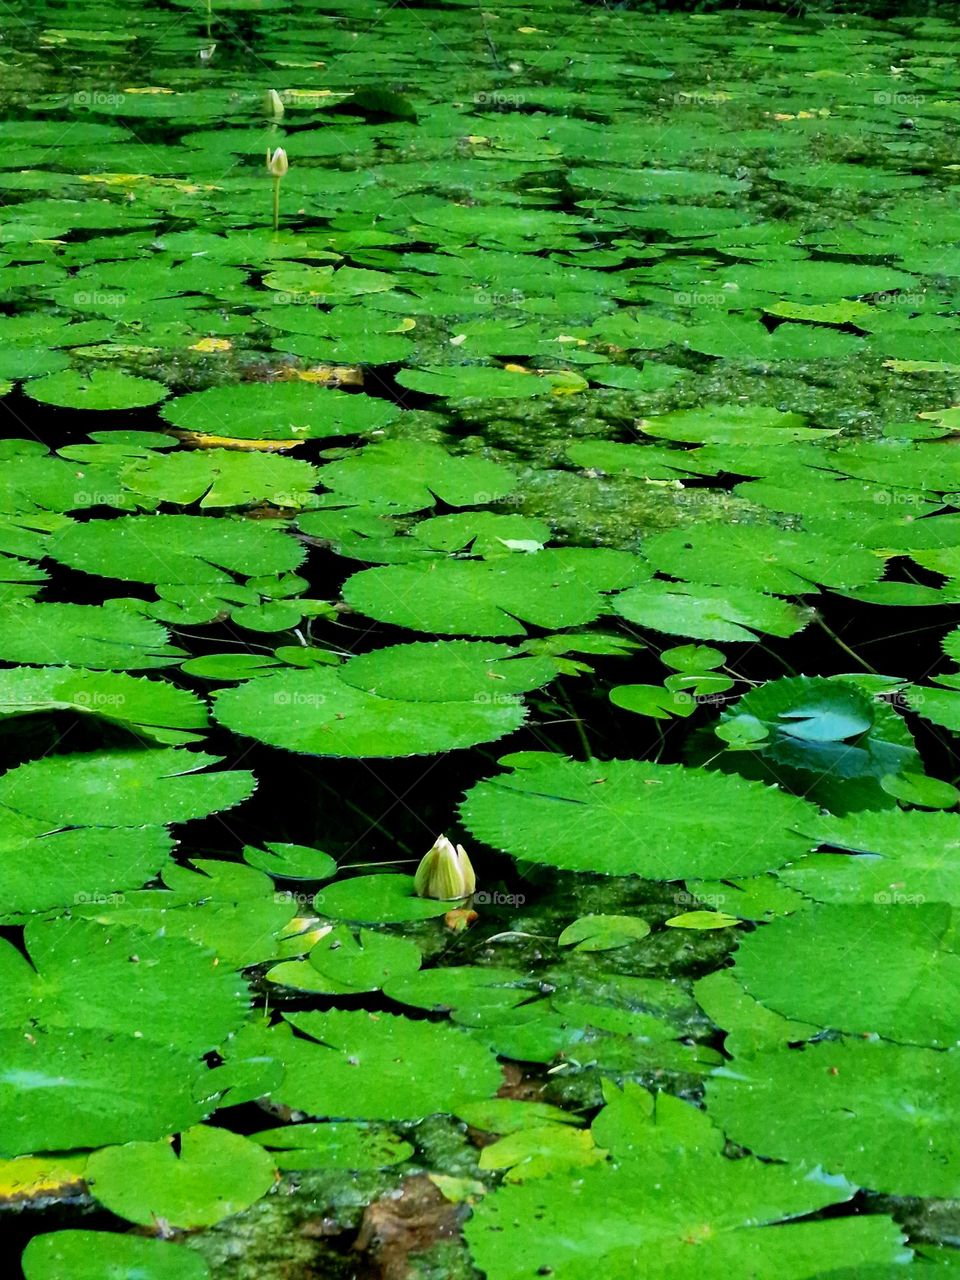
x=580, y=391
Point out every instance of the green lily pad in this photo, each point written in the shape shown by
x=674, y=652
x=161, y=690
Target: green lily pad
x=892, y=857
x=708, y=613
x=154, y=708
x=407, y=475
x=630, y=817
x=291, y=861
x=192, y=550
x=277, y=411
x=122, y=788
x=323, y=712
x=826, y=739
x=222, y=478
x=761, y=558
x=877, y=1114
x=603, y=933
x=333, y=1146
x=622, y=1215
x=77, y=1087
x=377, y=899
x=100, y=389
x=43, y=869
x=93, y=1255
x=554, y=588
x=108, y=637
x=229, y=909
x=380, y=1066
x=214, y=1175
x=800, y=966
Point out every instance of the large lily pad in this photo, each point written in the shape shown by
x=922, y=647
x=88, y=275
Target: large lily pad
x=122, y=788
x=366, y=1066
x=708, y=612
x=108, y=637
x=101, y=389
x=896, y=857
x=553, y=588
x=435, y=698
x=72, y=1087
x=176, y=549
x=122, y=981
x=880, y=1115
x=277, y=411
x=866, y=968
x=41, y=869
x=629, y=817
x=154, y=708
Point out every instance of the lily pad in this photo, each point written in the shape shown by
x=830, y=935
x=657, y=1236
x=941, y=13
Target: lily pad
x=333, y=1146
x=377, y=899
x=156, y=709
x=323, y=712
x=100, y=389
x=407, y=475
x=603, y=933
x=554, y=588
x=108, y=637
x=366, y=1066
x=707, y=612
x=277, y=411
x=77, y=1087
x=214, y=1175
x=629, y=817
x=122, y=788
x=92, y=1255
x=802, y=966
x=185, y=549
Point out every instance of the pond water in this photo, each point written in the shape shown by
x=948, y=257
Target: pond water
x=534, y=424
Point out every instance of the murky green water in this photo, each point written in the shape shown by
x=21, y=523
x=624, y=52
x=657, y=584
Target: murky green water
x=571, y=470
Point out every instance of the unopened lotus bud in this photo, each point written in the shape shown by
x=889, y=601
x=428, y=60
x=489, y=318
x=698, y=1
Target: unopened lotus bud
x=273, y=107
x=445, y=873
x=277, y=163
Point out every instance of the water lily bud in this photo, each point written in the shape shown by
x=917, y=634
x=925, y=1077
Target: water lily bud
x=273, y=106
x=445, y=873
x=277, y=163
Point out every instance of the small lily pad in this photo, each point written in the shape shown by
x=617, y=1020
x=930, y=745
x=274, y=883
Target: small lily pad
x=291, y=861
x=603, y=933
x=379, y=899
x=101, y=389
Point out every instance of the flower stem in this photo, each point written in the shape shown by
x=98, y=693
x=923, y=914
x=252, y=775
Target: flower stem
x=276, y=204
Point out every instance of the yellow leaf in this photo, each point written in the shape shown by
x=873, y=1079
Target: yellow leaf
x=201, y=440
x=211, y=344
x=28, y=1177
x=332, y=375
